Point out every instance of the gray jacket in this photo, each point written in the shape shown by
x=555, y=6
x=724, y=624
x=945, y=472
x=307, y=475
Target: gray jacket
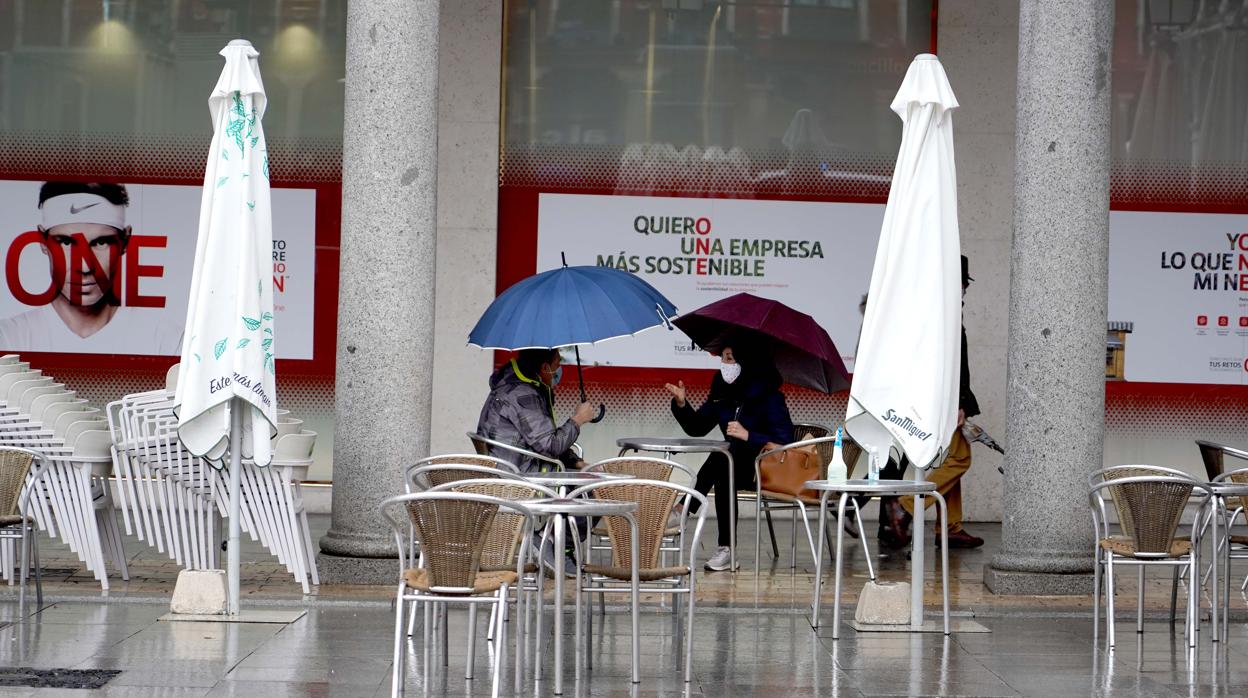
x=521, y=413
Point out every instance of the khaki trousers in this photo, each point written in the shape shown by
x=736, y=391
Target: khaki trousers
x=948, y=479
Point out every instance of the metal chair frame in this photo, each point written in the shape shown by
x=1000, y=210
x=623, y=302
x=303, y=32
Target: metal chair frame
x=27, y=531
x=483, y=444
x=447, y=596
x=589, y=584
x=797, y=504
x=1107, y=559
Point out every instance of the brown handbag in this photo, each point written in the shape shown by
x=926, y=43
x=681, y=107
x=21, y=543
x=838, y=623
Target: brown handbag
x=787, y=471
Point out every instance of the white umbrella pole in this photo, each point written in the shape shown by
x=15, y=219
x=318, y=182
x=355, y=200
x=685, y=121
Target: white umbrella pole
x=919, y=533
x=236, y=474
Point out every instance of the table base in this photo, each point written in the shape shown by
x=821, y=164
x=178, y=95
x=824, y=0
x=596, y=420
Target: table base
x=929, y=626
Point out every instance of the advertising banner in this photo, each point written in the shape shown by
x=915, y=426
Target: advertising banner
x=1178, y=297
x=106, y=268
x=813, y=256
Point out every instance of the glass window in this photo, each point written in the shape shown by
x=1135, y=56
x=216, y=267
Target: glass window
x=1180, y=110
x=111, y=78
x=723, y=98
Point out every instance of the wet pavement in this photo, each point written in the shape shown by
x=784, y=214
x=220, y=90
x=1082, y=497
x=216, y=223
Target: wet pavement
x=751, y=637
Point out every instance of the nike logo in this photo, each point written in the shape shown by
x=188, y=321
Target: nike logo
x=75, y=210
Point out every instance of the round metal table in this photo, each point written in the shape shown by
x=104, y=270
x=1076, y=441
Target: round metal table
x=878, y=488
x=559, y=510
x=671, y=446
x=562, y=480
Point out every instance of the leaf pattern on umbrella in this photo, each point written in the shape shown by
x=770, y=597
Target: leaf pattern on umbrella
x=252, y=324
x=219, y=348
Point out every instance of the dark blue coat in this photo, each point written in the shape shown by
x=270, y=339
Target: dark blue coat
x=757, y=404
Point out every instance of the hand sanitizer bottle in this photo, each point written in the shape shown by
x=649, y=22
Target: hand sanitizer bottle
x=837, y=471
x=873, y=470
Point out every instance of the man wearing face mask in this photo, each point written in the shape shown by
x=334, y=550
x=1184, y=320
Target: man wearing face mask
x=521, y=410
x=746, y=404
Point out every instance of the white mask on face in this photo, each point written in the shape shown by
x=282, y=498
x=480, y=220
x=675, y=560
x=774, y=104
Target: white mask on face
x=730, y=372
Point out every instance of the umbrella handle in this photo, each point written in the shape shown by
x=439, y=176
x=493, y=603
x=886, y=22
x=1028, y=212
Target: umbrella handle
x=602, y=412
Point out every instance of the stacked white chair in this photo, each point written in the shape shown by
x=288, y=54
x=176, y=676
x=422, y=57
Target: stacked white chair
x=175, y=501
x=73, y=501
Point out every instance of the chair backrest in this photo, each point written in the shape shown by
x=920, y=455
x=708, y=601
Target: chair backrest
x=640, y=467
x=822, y=445
x=94, y=423
x=487, y=447
x=1238, y=477
x=68, y=419
x=27, y=401
x=93, y=443
x=1213, y=456
x=452, y=528
x=504, y=539
x=295, y=447
x=654, y=502
x=15, y=465
x=8, y=379
x=15, y=367
x=288, y=425
x=171, y=377
x=13, y=396
x=423, y=475
x=53, y=411
x=1150, y=501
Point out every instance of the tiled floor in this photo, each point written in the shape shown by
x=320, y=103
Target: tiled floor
x=751, y=638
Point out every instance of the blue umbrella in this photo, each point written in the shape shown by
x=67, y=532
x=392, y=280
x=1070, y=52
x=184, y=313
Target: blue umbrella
x=568, y=307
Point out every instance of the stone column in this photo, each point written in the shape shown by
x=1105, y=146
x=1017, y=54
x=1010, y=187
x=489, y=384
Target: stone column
x=384, y=360
x=1058, y=297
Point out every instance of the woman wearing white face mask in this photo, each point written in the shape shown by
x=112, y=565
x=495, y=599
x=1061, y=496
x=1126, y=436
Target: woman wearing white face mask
x=746, y=404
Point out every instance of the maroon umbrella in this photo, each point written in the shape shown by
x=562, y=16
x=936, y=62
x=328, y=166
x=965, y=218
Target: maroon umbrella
x=803, y=352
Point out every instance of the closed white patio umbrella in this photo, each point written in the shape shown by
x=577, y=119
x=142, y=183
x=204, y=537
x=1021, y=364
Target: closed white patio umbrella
x=904, y=396
x=225, y=399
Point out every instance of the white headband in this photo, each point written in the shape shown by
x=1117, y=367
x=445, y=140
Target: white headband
x=81, y=207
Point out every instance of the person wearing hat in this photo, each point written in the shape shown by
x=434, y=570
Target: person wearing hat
x=84, y=238
x=948, y=477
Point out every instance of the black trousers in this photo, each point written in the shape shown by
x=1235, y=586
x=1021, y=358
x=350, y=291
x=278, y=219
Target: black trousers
x=714, y=475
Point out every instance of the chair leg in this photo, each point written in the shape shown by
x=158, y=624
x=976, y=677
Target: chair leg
x=793, y=540
x=1096, y=595
x=1174, y=598
x=444, y=618
x=1139, y=600
x=771, y=531
x=470, y=660
x=34, y=550
x=396, y=687
x=22, y=572
x=689, y=631
x=500, y=657
x=427, y=629
x=1109, y=600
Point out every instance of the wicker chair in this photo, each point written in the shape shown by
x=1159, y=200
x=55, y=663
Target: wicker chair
x=654, y=502
x=824, y=446
x=431, y=472
x=453, y=529
x=1149, y=501
x=641, y=468
x=21, y=472
x=490, y=447
x=502, y=548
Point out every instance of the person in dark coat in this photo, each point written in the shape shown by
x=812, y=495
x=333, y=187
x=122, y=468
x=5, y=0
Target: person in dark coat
x=746, y=404
x=948, y=477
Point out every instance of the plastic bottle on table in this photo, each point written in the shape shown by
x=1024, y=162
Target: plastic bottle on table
x=837, y=471
x=873, y=470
